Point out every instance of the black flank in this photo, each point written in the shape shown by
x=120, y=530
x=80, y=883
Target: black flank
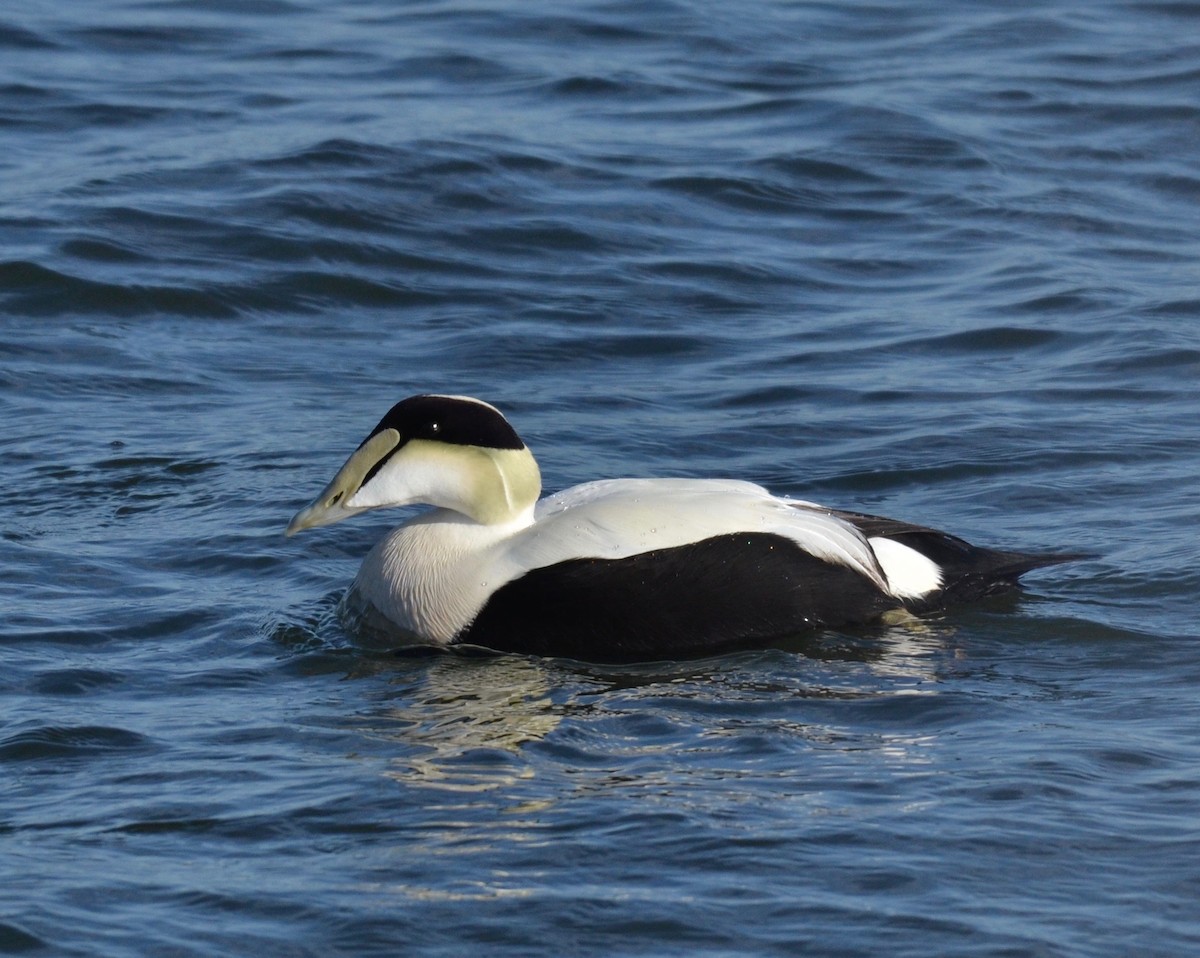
x=725, y=592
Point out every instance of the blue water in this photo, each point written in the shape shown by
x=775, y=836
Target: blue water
x=931, y=261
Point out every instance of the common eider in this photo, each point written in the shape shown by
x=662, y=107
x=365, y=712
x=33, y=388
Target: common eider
x=620, y=569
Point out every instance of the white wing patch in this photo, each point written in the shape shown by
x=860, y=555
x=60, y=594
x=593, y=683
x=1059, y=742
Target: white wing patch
x=910, y=574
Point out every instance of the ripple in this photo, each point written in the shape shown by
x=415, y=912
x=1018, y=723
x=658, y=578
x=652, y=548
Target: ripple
x=593, y=87
x=742, y=194
x=19, y=38
x=102, y=251
x=131, y=39
x=15, y=939
x=35, y=290
x=993, y=339
x=50, y=742
x=75, y=681
x=1178, y=307
x=458, y=68
x=808, y=168
x=336, y=153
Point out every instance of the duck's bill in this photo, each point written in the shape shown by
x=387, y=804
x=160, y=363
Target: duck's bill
x=334, y=502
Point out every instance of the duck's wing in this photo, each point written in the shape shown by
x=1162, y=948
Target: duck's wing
x=619, y=518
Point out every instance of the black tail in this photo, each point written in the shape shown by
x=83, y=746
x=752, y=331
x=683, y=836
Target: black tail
x=968, y=572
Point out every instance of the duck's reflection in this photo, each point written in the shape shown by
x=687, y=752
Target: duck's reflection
x=463, y=722
x=460, y=722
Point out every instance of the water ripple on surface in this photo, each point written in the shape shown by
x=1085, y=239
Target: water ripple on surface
x=35, y=290
x=926, y=261
x=76, y=681
x=14, y=939
x=51, y=743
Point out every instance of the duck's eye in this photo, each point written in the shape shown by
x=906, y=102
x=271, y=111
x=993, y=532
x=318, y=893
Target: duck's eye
x=434, y=428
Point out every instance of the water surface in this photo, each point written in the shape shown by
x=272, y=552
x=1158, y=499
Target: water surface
x=925, y=261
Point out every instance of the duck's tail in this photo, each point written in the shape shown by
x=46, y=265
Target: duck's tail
x=968, y=572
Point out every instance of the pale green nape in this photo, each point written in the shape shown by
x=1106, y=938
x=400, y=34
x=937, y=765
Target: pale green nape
x=494, y=485
x=520, y=479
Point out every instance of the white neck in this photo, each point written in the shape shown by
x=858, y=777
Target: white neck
x=432, y=575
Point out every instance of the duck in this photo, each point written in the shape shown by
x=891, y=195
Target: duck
x=620, y=569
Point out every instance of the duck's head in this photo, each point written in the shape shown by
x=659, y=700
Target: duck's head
x=447, y=451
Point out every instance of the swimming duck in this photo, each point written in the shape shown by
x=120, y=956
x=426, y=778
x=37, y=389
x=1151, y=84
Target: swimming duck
x=619, y=568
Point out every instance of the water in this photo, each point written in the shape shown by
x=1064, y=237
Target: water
x=926, y=261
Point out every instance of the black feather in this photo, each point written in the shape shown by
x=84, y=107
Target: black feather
x=449, y=419
x=721, y=593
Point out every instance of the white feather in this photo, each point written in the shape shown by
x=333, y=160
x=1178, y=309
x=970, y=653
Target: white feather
x=910, y=574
